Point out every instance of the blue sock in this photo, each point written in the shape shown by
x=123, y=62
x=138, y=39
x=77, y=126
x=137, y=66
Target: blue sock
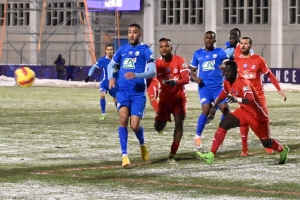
x=140, y=135
x=222, y=117
x=102, y=105
x=123, y=136
x=201, y=124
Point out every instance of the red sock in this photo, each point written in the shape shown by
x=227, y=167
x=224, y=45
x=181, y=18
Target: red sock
x=244, y=130
x=218, y=139
x=174, y=147
x=154, y=104
x=276, y=146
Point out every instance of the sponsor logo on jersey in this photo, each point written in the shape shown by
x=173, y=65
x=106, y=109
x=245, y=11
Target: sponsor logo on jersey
x=215, y=55
x=128, y=63
x=137, y=53
x=253, y=67
x=249, y=76
x=208, y=65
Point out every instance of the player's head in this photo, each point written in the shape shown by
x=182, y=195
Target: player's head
x=134, y=34
x=246, y=45
x=209, y=40
x=109, y=50
x=165, y=47
x=230, y=71
x=237, y=31
x=233, y=39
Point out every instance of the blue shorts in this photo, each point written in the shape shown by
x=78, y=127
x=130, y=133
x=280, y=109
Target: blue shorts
x=104, y=88
x=207, y=96
x=136, y=103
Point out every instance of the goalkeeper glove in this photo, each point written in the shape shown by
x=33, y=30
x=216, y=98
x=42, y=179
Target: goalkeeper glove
x=232, y=99
x=87, y=79
x=173, y=83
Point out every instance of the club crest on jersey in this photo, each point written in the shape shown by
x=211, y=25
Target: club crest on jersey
x=253, y=67
x=245, y=65
x=168, y=70
x=128, y=63
x=246, y=88
x=208, y=65
x=175, y=70
x=130, y=52
x=215, y=55
x=137, y=53
x=184, y=65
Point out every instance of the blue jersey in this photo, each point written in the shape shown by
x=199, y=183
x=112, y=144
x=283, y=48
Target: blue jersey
x=101, y=64
x=228, y=45
x=208, y=63
x=133, y=59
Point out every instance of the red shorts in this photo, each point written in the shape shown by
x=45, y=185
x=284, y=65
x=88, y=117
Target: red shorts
x=260, y=126
x=168, y=107
x=153, y=88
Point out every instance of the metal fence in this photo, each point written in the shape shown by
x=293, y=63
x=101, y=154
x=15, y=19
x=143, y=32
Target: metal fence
x=79, y=56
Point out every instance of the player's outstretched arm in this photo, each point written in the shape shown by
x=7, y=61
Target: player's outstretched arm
x=91, y=71
x=276, y=84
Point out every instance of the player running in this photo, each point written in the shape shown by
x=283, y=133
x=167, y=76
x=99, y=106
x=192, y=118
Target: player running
x=173, y=74
x=137, y=63
x=102, y=64
x=251, y=112
x=253, y=67
x=209, y=79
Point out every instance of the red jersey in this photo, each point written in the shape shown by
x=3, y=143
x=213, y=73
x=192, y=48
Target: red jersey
x=171, y=71
x=237, y=51
x=240, y=88
x=253, y=68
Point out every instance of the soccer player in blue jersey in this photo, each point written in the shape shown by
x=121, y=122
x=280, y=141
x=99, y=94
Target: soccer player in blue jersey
x=233, y=40
x=137, y=63
x=102, y=64
x=207, y=63
x=228, y=44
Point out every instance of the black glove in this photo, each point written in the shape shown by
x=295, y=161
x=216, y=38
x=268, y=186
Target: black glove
x=232, y=99
x=87, y=79
x=173, y=83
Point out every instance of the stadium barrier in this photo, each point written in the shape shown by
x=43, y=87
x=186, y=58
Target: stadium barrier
x=78, y=73
x=72, y=73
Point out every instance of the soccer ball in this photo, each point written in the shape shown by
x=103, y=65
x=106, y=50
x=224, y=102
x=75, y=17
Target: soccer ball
x=24, y=77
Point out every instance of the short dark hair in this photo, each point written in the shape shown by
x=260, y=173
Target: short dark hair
x=236, y=30
x=109, y=45
x=211, y=32
x=164, y=39
x=232, y=64
x=135, y=25
x=249, y=39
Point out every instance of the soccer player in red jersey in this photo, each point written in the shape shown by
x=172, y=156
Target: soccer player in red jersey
x=252, y=67
x=251, y=112
x=173, y=74
x=153, y=89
